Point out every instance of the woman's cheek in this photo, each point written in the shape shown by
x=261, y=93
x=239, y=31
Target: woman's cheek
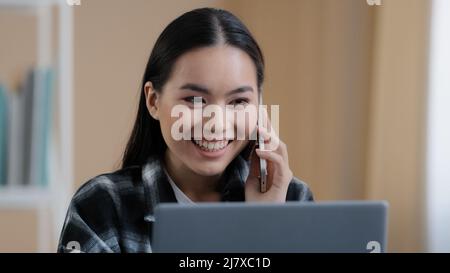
x=168, y=123
x=246, y=127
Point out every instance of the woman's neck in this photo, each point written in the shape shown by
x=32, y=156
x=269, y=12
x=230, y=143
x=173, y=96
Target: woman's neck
x=197, y=187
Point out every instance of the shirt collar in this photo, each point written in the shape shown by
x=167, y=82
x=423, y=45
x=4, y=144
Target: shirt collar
x=179, y=194
x=158, y=190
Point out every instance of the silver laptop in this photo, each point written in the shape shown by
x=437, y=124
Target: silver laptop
x=347, y=226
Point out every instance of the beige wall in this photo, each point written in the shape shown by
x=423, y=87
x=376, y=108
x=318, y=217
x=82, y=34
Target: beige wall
x=17, y=47
x=397, y=125
x=340, y=70
x=18, y=231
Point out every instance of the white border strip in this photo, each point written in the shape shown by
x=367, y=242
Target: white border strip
x=438, y=131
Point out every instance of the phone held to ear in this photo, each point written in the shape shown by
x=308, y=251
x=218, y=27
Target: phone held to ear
x=248, y=153
x=262, y=162
x=250, y=149
x=262, y=167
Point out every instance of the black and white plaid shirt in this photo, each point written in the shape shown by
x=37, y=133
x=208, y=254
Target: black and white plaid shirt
x=114, y=212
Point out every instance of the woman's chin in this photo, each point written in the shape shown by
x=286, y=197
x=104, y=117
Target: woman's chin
x=210, y=169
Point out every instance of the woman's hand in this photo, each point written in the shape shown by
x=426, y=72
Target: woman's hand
x=278, y=172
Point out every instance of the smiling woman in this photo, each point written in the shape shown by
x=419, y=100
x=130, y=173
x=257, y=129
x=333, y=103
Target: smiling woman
x=207, y=54
x=233, y=68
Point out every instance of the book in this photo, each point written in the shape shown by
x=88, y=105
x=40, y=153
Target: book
x=41, y=127
x=16, y=138
x=47, y=114
x=28, y=93
x=28, y=130
x=3, y=134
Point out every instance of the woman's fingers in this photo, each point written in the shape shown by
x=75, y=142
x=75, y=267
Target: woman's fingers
x=270, y=138
x=273, y=143
x=273, y=157
x=279, y=166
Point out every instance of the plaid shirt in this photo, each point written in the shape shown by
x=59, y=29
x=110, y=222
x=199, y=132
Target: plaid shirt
x=114, y=212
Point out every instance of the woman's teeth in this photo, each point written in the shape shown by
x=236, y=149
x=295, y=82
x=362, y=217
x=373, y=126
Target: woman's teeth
x=211, y=146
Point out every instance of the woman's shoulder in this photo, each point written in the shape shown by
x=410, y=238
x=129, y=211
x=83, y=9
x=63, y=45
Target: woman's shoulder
x=299, y=191
x=102, y=209
x=112, y=184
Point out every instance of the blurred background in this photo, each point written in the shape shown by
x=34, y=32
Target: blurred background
x=363, y=90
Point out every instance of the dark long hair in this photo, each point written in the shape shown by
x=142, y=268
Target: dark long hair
x=197, y=28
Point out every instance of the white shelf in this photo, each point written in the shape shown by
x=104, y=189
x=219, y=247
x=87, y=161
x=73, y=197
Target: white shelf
x=23, y=196
x=27, y=3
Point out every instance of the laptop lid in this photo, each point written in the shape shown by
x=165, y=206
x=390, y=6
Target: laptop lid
x=346, y=226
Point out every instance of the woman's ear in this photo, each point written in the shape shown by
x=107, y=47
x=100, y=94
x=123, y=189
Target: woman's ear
x=151, y=100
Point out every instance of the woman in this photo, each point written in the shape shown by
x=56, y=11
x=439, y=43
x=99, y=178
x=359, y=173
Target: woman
x=206, y=56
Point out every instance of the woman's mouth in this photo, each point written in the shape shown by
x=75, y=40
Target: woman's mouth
x=211, y=146
x=211, y=149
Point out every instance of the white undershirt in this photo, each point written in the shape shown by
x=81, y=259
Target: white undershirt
x=179, y=194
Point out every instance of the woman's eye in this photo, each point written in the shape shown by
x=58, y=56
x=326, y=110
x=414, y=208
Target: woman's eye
x=239, y=101
x=192, y=99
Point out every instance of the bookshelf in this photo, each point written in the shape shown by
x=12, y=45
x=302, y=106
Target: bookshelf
x=50, y=202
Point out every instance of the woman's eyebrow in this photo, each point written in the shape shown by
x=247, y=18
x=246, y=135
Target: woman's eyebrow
x=241, y=89
x=195, y=87
x=203, y=89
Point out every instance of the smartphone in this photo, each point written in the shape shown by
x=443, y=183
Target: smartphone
x=248, y=152
x=262, y=167
x=262, y=162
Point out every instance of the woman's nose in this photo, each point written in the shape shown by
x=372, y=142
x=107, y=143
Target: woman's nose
x=218, y=123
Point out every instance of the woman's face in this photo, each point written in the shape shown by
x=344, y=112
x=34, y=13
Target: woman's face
x=223, y=76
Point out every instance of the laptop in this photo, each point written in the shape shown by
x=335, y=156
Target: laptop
x=292, y=227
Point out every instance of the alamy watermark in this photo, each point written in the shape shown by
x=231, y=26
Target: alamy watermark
x=374, y=247
x=373, y=2
x=73, y=2
x=223, y=123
